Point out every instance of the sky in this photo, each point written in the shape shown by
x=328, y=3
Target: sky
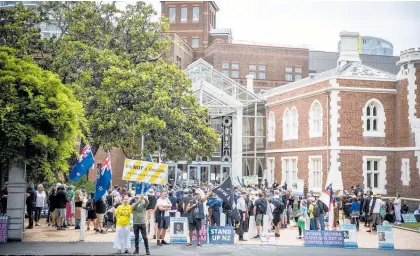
x=317, y=24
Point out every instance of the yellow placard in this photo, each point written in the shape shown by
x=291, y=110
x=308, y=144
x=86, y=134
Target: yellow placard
x=143, y=171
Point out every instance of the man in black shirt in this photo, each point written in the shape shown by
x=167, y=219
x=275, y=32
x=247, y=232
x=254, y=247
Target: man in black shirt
x=195, y=211
x=150, y=210
x=186, y=200
x=30, y=204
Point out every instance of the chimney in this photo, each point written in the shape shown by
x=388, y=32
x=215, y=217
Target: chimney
x=349, y=48
x=250, y=83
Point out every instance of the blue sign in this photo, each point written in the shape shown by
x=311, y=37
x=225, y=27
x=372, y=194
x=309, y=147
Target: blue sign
x=314, y=238
x=409, y=218
x=221, y=235
x=350, y=235
x=385, y=237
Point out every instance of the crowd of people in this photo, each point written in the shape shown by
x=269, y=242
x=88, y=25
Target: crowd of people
x=122, y=211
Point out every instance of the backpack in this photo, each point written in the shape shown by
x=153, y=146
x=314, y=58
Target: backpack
x=322, y=207
x=90, y=206
x=262, y=206
x=317, y=211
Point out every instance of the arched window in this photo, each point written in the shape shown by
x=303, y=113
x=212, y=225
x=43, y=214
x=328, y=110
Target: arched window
x=286, y=124
x=315, y=120
x=271, y=127
x=373, y=119
x=295, y=123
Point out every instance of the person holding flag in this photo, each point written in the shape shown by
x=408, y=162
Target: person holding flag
x=327, y=198
x=195, y=210
x=83, y=164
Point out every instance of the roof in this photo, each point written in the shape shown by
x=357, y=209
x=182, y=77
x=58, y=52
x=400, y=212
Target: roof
x=355, y=70
x=220, y=31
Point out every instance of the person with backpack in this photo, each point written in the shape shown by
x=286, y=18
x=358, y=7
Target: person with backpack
x=173, y=200
x=314, y=213
x=375, y=212
x=322, y=210
x=179, y=203
x=365, y=209
x=260, y=209
x=91, y=216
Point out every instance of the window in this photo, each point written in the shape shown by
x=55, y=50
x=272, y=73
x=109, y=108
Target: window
x=234, y=74
x=195, y=43
x=315, y=173
x=315, y=120
x=298, y=70
x=374, y=170
x=225, y=65
x=261, y=76
x=286, y=124
x=235, y=65
x=405, y=171
x=298, y=77
x=271, y=127
x=261, y=67
x=294, y=120
x=196, y=13
x=252, y=67
x=172, y=14
x=288, y=69
x=288, y=77
x=289, y=170
x=225, y=72
x=253, y=74
x=184, y=14
x=373, y=119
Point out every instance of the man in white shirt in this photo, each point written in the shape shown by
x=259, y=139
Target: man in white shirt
x=242, y=208
x=163, y=206
x=375, y=210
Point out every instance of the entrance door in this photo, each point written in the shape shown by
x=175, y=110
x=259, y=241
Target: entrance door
x=226, y=171
x=194, y=173
x=215, y=175
x=204, y=174
x=171, y=174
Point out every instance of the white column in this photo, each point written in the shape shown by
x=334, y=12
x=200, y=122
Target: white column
x=237, y=144
x=82, y=224
x=16, y=200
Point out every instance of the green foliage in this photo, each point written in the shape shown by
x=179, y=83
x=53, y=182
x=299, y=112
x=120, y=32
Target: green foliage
x=83, y=183
x=40, y=119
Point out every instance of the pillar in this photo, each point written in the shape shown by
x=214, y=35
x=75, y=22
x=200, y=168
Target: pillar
x=237, y=143
x=16, y=200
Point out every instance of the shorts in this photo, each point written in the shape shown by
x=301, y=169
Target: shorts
x=276, y=221
x=376, y=219
x=60, y=212
x=259, y=219
x=195, y=225
x=163, y=223
x=100, y=217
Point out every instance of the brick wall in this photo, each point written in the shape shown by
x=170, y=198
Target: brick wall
x=417, y=66
x=117, y=163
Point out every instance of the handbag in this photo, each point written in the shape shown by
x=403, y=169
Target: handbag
x=355, y=214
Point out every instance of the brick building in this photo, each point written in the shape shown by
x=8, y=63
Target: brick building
x=349, y=125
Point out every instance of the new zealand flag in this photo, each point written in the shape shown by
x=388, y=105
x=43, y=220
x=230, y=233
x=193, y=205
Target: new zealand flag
x=83, y=164
x=104, y=179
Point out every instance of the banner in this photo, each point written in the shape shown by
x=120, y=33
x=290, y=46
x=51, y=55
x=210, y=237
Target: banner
x=203, y=233
x=409, y=218
x=221, y=235
x=350, y=235
x=268, y=238
x=142, y=171
x=385, y=237
x=250, y=180
x=297, y=188
x=225, y=192
x=313, y=238
x=178, y=230
x=4, y=227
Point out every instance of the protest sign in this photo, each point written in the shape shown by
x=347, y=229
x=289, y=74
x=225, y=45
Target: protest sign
x=203, y=232
x=297, y=188
x=350, y=235
x=313, y=238
x=4, y=227
x=178, y=230
x=250, y=180
x=385, y=237
x=409, y=218
x=268, y=238
x=221, y=235
x=142, y=171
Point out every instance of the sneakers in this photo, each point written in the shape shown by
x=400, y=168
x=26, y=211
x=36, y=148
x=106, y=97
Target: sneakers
x=136, y=252
x=29, y=227
x=277, y=235
x=158, y=243
x=147, y=252
x=164, y=242
x=126, y=251
x=257, y=236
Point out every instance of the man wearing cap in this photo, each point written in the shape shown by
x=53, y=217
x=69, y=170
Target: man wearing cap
x=139, y=222
x=375, y=206
x=242, y=208
x=195, y=210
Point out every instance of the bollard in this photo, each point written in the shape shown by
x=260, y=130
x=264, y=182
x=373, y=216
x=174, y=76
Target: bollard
x=152, y=225
x=252, y=229
x=222, y=219
x=82, y=224
x=266, y=224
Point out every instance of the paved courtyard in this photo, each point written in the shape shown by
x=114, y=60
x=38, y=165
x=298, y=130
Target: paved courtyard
x=403, y=239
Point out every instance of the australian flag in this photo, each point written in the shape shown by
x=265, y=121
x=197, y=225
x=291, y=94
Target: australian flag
x=104, y=179
x=83, y=164
x=225, y=192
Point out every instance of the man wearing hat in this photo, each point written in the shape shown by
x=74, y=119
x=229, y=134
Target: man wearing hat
x=139, y=222
x=375, y=211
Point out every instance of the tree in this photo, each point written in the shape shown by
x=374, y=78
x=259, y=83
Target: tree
x=40, y=119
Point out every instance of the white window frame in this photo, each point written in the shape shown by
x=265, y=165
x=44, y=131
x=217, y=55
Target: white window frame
x=196, y=18
x=253, y=73
x=288, y=69
x=381, y=171
x=234, y=65
x=192, y=42
x=289, y=170
x=271, y=136
x=261, y=67
x=172, y=19
x=311, y=177
x=261, y=75
x=298, y=77
x=315, y=120
x=405, y=171
x=224, y=71
x=286, y=124
x=294, y=120
x=186, y=14
x=298, y=70
x=225, y=65
x=380, y=119
x=252, y=67
x=234, y=72
x=288, y=75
